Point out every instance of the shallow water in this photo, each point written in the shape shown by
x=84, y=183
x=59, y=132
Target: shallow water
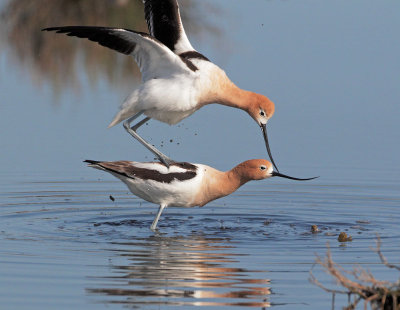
x=66, y=244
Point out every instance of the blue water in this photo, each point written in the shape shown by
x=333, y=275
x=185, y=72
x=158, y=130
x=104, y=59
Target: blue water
x=66, y=244
x=332, y=70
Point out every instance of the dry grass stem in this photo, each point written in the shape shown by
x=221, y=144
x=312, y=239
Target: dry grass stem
x=378, y=294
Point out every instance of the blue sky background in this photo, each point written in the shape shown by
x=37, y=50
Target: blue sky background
x=331, y=67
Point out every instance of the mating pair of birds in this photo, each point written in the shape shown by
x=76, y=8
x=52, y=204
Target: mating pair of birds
x=176, y=81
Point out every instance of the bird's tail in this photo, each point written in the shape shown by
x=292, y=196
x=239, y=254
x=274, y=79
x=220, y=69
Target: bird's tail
x=93, y=163
x=100, y=165
x=128, y=109
x=115, y=121
x=121, y=116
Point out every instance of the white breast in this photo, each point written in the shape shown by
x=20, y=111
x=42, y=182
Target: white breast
x=169, y=100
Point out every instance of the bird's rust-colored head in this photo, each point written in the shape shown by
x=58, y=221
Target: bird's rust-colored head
x=259, y=169
x=261, y=109
x=254, y=169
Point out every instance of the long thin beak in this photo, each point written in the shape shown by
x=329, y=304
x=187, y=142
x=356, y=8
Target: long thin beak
x=264, y=130
x=277, y=174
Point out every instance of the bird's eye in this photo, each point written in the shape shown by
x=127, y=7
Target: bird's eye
x=263, y=167
x=262, y=113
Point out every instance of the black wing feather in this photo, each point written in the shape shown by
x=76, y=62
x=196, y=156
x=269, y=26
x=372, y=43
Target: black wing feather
x=108, y=37
x=126, y=169
x=163, y=21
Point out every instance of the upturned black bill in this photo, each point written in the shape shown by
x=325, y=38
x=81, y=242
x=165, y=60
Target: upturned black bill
x=264, y=130
x=277, y=174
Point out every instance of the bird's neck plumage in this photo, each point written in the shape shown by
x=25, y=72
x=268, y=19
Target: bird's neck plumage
x=223, y=91
x=235, y=97
x=218, y=184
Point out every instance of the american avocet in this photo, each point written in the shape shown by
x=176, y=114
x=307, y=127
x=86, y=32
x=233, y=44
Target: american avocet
x=177, y=80
x=185, y=184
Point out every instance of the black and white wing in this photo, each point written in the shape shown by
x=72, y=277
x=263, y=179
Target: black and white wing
x=165, y=24
x=152, y=171
x=153, y=57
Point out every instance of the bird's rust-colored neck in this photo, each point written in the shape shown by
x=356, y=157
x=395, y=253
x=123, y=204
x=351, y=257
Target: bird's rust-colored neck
x=218, y=184
x=231, y=95
x=223, y=91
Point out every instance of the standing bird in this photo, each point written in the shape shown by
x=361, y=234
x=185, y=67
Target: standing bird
x=176, y=79
x=185, y=184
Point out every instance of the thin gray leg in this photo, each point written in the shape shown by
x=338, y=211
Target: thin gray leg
x=132, y=131
x=154, y=225
x=143, y=121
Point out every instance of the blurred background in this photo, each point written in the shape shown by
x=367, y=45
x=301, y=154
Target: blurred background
x=331, y=67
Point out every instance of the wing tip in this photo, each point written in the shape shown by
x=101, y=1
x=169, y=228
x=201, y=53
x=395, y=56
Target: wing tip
x=48, y=29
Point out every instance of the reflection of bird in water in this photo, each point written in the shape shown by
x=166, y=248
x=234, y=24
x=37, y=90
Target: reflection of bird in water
x=190, y=270
x=177, y=80
x=184, y=184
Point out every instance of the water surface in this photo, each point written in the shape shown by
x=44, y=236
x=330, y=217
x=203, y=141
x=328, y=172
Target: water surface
x=66, y=243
